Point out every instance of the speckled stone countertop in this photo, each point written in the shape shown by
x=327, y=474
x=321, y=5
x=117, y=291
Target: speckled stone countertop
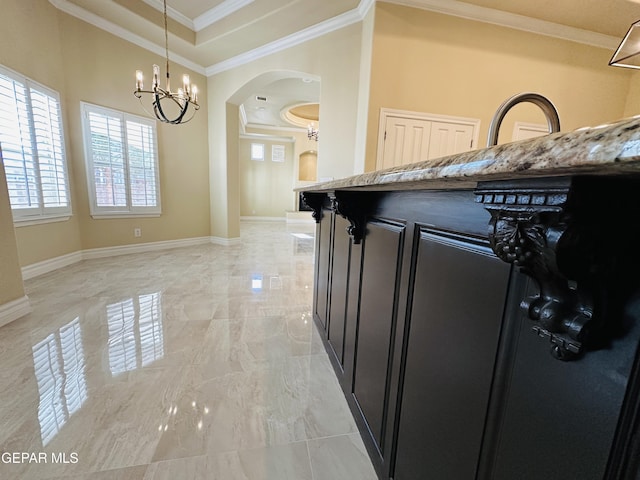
x=608, y=149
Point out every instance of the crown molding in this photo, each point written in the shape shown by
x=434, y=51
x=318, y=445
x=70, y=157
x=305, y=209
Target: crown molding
x=283, y=128
x=447, y=7
x=512, y=20
x=315, y=31
x=218, y=12
x=364, y=6
x=110, y=27
x=243, y=116
x=171, y=13
x=266, y=137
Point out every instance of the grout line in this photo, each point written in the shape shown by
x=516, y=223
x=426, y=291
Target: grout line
x=310, y=462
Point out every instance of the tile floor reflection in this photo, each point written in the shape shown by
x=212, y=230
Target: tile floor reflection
x=192, y=363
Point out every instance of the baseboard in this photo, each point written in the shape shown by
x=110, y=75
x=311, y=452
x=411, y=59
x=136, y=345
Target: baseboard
x=303, y=216
x=141, y=247
x=14, y=309
x=262, y=219
x=297, y=220
x=225, y=241
x=46, y=266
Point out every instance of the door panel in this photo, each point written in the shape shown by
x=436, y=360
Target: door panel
x=407, y=141
x=380, y=278
x=339, y=288
x=324, y=233
x=458, y=299
x=449, y=138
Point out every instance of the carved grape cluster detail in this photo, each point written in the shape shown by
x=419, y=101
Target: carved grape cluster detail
x=517, y=240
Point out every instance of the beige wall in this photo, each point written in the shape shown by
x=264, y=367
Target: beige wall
x=100, y=69
x=11, y=287
x=265, y=186
x=632, y=105
x=335, y=59
x=429, y=62
x=84, y=63
x=301, y=144
x=31, y=46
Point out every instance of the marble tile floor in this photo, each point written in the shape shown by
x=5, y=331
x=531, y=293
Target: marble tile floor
x=193, y=363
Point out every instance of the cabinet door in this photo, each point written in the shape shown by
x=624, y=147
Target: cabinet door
x=379, y=293
x=324, y=246
x=457, y=307
x=339, y=289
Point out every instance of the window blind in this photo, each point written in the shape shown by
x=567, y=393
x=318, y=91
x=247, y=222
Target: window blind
x=122, y=161
x=32, y=146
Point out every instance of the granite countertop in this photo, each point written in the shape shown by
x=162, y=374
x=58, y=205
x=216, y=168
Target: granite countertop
x=608, y=149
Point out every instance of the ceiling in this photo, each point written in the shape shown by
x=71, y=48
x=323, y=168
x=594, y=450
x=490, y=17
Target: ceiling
x=210, y=36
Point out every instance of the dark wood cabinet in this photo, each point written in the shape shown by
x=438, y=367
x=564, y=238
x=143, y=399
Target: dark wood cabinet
x=379, y=296
x=458, y=298
x=559, y=419
x=339, y=288
x=486, y=334
x=324, y=255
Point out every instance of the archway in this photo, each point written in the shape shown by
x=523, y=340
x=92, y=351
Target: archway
x=265, y=181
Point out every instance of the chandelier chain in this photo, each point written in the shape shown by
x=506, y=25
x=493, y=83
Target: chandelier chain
x=166, y=40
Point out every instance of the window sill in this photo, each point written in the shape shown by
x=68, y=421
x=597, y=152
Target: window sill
x=28, y=222
x=106, y=216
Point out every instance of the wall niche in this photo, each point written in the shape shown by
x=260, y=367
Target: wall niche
x=308, y=166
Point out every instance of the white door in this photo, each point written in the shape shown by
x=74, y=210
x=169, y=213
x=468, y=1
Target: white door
x=406, y=141
x=449, y=139
x=409, y=137
x=523, y=130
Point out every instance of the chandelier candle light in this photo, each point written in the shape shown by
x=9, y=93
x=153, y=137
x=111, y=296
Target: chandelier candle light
x=312, y=132
x=169, y=107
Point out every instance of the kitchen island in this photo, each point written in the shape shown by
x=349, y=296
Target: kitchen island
x=482, y=311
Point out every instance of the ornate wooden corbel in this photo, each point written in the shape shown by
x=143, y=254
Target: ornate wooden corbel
x=354, y=207
x=315, y=201
x=534, y=228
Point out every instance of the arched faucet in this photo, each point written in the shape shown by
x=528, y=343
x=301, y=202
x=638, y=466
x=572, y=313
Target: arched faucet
x=550, y=112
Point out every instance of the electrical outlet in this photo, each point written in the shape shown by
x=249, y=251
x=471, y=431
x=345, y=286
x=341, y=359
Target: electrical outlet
x=137, y=232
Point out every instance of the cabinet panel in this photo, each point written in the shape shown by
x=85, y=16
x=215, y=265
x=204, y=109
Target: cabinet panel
x=324, y=233
x=380, y=278
x=559, y=419
x=339, y=288
x=457, y=307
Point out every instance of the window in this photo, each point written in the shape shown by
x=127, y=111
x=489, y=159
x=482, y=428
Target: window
x=277, y=153
x=32, y=148
x=257, y=151
x=122, y=163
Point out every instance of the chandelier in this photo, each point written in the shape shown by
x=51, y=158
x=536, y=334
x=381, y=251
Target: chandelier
x=627, y=53
x=168, y=107
x=312, y=132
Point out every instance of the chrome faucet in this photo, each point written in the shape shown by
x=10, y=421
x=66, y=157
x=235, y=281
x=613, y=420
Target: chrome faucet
x=550, y=112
